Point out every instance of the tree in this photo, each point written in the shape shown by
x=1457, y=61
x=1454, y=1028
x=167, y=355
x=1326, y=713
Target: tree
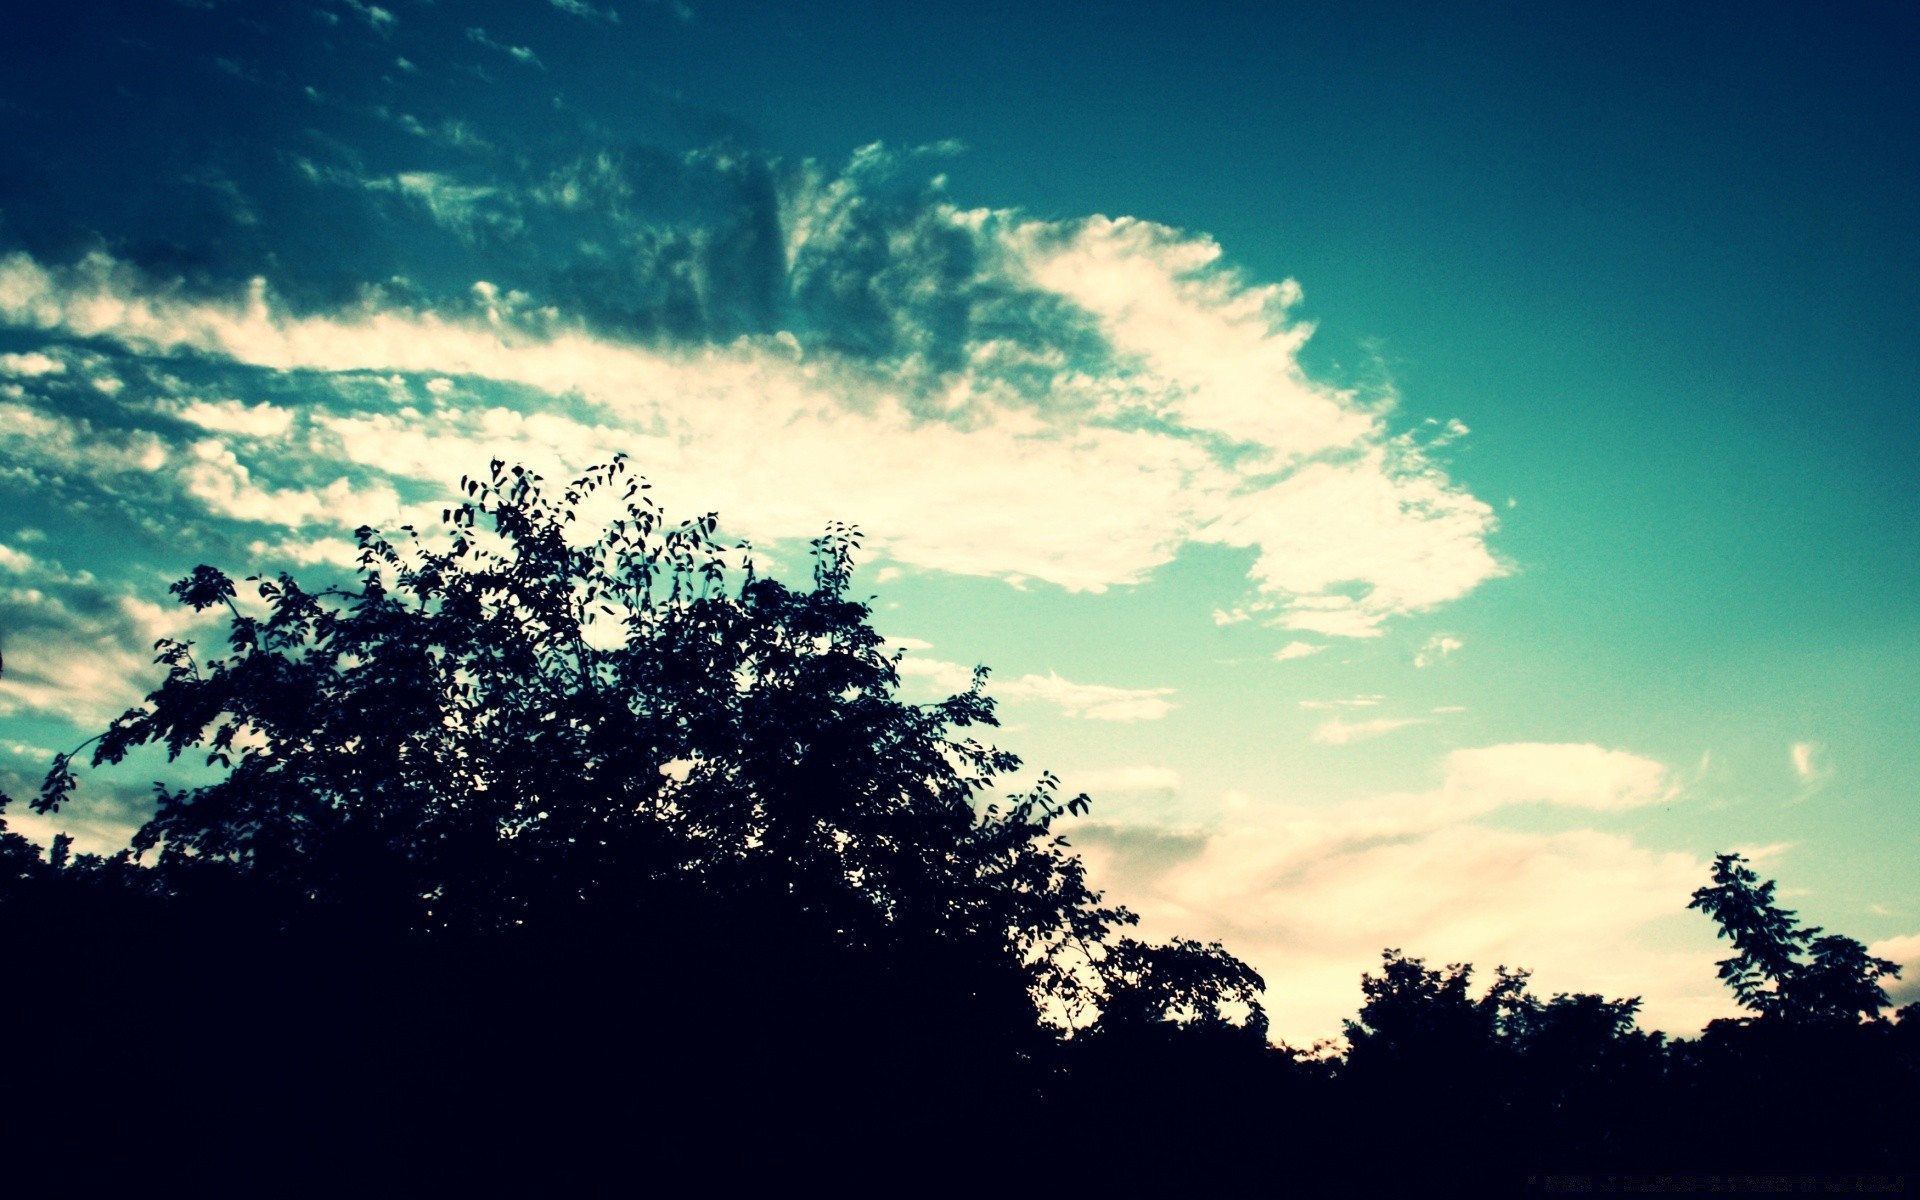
x=1182, y=983
x=1781, y=970
x=1814, y=1079
x=542, y=735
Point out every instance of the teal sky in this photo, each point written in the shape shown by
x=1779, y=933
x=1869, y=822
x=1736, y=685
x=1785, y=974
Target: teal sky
x=1436, y=474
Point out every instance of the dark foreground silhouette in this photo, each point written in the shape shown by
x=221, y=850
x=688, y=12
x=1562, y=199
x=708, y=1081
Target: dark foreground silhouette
x=539, y=861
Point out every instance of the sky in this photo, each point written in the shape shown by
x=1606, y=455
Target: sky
x=1435, y=474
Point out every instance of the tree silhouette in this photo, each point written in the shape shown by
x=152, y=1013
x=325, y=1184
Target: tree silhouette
x=1781, y=970
x=538, y=777
x=559, y=833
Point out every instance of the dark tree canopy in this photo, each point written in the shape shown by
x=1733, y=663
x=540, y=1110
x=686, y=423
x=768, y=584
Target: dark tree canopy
x=532, y=729
x=550, y=833
x=1783, y=971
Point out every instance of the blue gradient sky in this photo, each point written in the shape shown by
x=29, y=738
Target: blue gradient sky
x=1436, y=474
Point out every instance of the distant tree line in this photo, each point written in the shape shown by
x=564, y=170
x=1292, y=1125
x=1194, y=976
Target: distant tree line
x=604, y=851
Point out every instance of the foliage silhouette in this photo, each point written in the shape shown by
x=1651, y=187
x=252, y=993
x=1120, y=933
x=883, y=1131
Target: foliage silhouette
x=1781, y=970
x=535, y=837
x=542, y=778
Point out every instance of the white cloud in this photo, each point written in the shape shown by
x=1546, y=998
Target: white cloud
x=1091, y=701
x=307, y=550
x=523, y=54
x=75, y=648
x=1293, y=650
x=1094, y=701
x=1311, y=896
x=30, y=364
x=104, y=824
x=1383, y=519
x=1437, y=649
x=1906, y=952
x=215, y=476
x=379, y=18
x=936, y=675
x=1192, y=423
x=1576, y=775
x=231, y=416
x=1339, y=731
x=1809, y=764
x=580, y=8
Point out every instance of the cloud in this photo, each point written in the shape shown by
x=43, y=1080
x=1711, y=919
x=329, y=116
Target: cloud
x=1293, y=650
x=1437, y=649
x=262, y=421
x=1310, y=896
x=381, y=20
x=580, y=8
x=1575, y=775
x=1090, y=701
x=30, y=365
x=1094, y=701
x=467, y=210
x=1808, y=763
x=1906, y=952
x=1338, y=731
x=1063, y=401
x=523, y=54
x=75, y=648
x=104, y=822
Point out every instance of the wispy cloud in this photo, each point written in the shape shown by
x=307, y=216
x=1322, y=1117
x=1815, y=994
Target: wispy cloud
x=381, y=20
x=580, y=8
x=1093, y=701
x=466, y=210
x=1437, y=648
x=1293, y=650
x=1339, y=731
x=522, y=54
x=1809, y=763
x=1090, y=701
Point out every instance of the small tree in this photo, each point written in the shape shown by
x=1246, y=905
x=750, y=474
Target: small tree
x=1781, y=970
